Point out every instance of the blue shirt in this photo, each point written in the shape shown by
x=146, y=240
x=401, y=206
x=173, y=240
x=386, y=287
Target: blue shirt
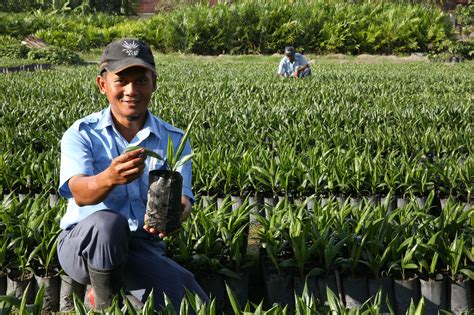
x=88, y=148
x=287, y=67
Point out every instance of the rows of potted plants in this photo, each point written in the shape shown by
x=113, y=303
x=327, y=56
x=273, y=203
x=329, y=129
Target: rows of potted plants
x=306, y=304
x=29, y=229
x=408, y=252
x=405, y=253
x=349, y=137
x=368, y=151
x=326, y=172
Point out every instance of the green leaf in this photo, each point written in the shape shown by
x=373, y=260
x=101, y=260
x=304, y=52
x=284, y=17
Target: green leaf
x=233, y=300
x=79, y=306
x=410, y=266
x=468, y=272
x=39, y=301
x=184, y=139
x=229, y=273
x=147, y=151
x=149, y=306
x=11, y=300
x=130, y=309
x=334, y=303
x=23, y=310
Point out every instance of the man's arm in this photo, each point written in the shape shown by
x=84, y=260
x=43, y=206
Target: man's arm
x=282, y=68
x=301, y=68
x=303, y=64
x=91, y=190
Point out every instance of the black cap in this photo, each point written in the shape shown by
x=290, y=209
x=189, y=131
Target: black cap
x=125, y=53
x=289, y=50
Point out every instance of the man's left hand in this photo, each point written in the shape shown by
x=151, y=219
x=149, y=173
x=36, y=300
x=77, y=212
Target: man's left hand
x=186, y=206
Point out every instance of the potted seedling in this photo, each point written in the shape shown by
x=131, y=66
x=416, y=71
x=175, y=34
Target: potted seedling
x=206, y=164
x=315, y=175
x=43, y=231
x=20, y=276
x=379, y=244
x=331, y=250
x=432, y=282
x=20, y=272
x=457, y=253
x=7, y=229
x=407, y=286
x=233, y=230
x=276, y=257
x=460, y=251
x=163, y=209
x=266, y=173
x=354, y=283
x=301, y=240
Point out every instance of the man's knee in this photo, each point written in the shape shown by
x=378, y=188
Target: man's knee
x=105, y=239
x=109, y=223
x=305, y=73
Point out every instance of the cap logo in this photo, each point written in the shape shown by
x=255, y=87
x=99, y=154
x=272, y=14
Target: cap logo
x=130, y=48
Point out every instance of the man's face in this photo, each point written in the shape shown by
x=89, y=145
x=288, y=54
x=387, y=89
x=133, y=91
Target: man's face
x=128, y=92
x=290, y=57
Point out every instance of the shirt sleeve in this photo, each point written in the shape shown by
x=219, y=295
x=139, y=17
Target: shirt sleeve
x=302, y=60
x=76, y=159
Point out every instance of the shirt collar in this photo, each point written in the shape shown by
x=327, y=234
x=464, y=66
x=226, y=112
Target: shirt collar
x=105, y=119
x=150, y=126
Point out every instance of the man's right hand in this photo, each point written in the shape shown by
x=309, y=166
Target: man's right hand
x=127, y=167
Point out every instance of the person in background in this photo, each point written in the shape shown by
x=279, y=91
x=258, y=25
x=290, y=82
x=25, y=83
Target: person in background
x=104, y=241
x=293, y=64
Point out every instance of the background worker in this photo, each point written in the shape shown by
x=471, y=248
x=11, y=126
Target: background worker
x=104, y=241
x=293, y=64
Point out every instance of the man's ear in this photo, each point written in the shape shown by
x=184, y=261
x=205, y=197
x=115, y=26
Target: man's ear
x=100, y=80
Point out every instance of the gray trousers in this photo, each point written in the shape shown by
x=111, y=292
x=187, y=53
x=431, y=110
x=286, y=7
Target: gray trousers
x=305, y=73
x=103, y=241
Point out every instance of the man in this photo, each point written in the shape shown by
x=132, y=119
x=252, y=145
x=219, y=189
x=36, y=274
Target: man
x=104, y=241
x=293, y=64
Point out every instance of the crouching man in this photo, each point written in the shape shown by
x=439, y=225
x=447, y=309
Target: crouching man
x=293, y=64
x=104, y=241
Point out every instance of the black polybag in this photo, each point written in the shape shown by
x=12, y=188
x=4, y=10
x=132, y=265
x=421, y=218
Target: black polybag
x=163, y=207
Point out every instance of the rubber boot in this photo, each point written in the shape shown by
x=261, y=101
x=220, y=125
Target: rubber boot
x=106, y=284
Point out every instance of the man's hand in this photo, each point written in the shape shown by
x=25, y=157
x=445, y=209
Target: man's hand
x=127, y=167
x=186, y=206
